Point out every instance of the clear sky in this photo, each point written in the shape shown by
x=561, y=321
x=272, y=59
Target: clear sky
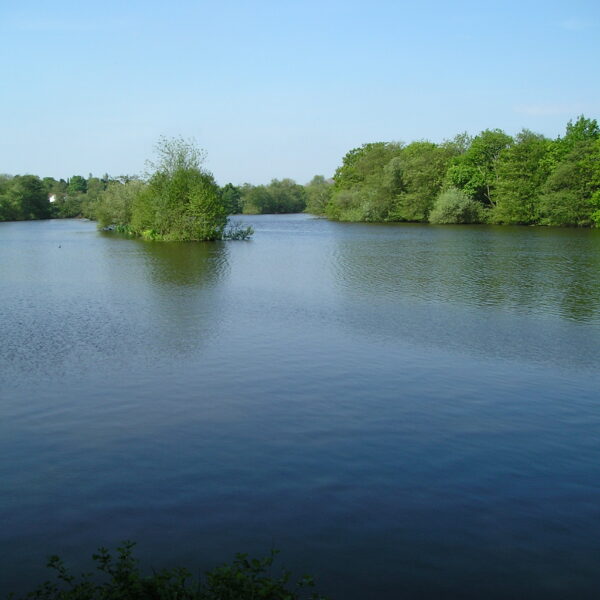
x=281, y=88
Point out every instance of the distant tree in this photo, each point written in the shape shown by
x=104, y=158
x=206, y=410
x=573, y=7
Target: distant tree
x=94, y=187
x=582, y=130
x=415, y=178
x=522, y=170
x=318, y=194
x=365, y=164
x=8, y=211
x=280, y=196
x=361, y=189
x=115, y=204
x=232, y=198
x=475, y=171
x=182, y=200
x=25, y=198
x=255, y=199
x=287, y=196
x=77, y=185
x=571, y=194
x=459, y=144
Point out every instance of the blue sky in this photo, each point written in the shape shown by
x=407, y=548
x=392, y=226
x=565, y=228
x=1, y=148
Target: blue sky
x=281, y=88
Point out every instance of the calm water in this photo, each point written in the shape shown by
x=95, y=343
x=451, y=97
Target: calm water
x=403, y=410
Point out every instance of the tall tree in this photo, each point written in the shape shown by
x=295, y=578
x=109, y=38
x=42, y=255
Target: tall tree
x=232, y=198
x=415, y=178
x=318, y=193
x=475, y=171
x=571, y=194
x=26, y=198
x=522, y=170
x=364, y=164
x=77, y=185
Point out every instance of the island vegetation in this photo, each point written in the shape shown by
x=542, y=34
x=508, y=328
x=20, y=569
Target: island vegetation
x=119, y=577
x=492, y=177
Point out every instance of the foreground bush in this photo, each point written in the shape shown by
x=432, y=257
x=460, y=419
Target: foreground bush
x=119, y=578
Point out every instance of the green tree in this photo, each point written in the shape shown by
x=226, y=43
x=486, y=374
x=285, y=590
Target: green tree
x=182, y=200
x=365, y=164
x=287, y=196
x=415, y=178
x=318, y=194
x=571, y=194
x=255, y=199
x=25, y=198
x=232, y=198
x=8, y=210
x=362, y=190
x=115, y=204
x=475, y=171
x=77, y=185
x=522, y=170
x=280, y=196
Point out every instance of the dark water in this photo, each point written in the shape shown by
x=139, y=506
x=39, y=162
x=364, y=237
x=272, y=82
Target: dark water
x=405, y=411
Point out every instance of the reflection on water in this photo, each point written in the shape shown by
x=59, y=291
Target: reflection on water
x=183, y=289
x=514, y=293
x=403, y=410
x=543, y=271
x=185, y=264
x=73, y=295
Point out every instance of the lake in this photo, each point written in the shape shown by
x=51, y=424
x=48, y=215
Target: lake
x=403, y=410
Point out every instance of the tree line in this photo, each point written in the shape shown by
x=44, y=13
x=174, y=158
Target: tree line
x=527, y=179
x=177, y=200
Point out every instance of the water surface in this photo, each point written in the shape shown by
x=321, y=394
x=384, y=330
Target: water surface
x=400, y=409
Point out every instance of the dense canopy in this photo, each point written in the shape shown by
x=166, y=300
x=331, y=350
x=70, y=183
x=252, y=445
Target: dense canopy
x=492, y=177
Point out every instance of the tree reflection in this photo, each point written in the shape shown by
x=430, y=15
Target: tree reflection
x=183, y=284
x=494, y=291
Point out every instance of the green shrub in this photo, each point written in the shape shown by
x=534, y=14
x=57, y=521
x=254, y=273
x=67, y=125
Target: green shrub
x=116, y=203
x=120, y=579
x=237, y=231
x=454, y=206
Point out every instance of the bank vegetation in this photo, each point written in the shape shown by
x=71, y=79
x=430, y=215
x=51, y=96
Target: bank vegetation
x=526, y=179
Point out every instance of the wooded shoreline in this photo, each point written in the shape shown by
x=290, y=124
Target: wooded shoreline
x=493, y=178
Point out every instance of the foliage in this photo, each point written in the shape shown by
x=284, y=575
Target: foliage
x=237, y=231
x=363, y=189
x=232, y=199
x=77, y=185
x=402, y=184
x=364, y=165
x=528, y=180
x=181, y=201
x=120, y=578
x=475, y=171
x=318, y=194
x=280, y=196
x=115, y=204
x=454, y=206
x=571, y=193
x=522, y=171
x=22, y=198
x=369, y=204
x=419, y=174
